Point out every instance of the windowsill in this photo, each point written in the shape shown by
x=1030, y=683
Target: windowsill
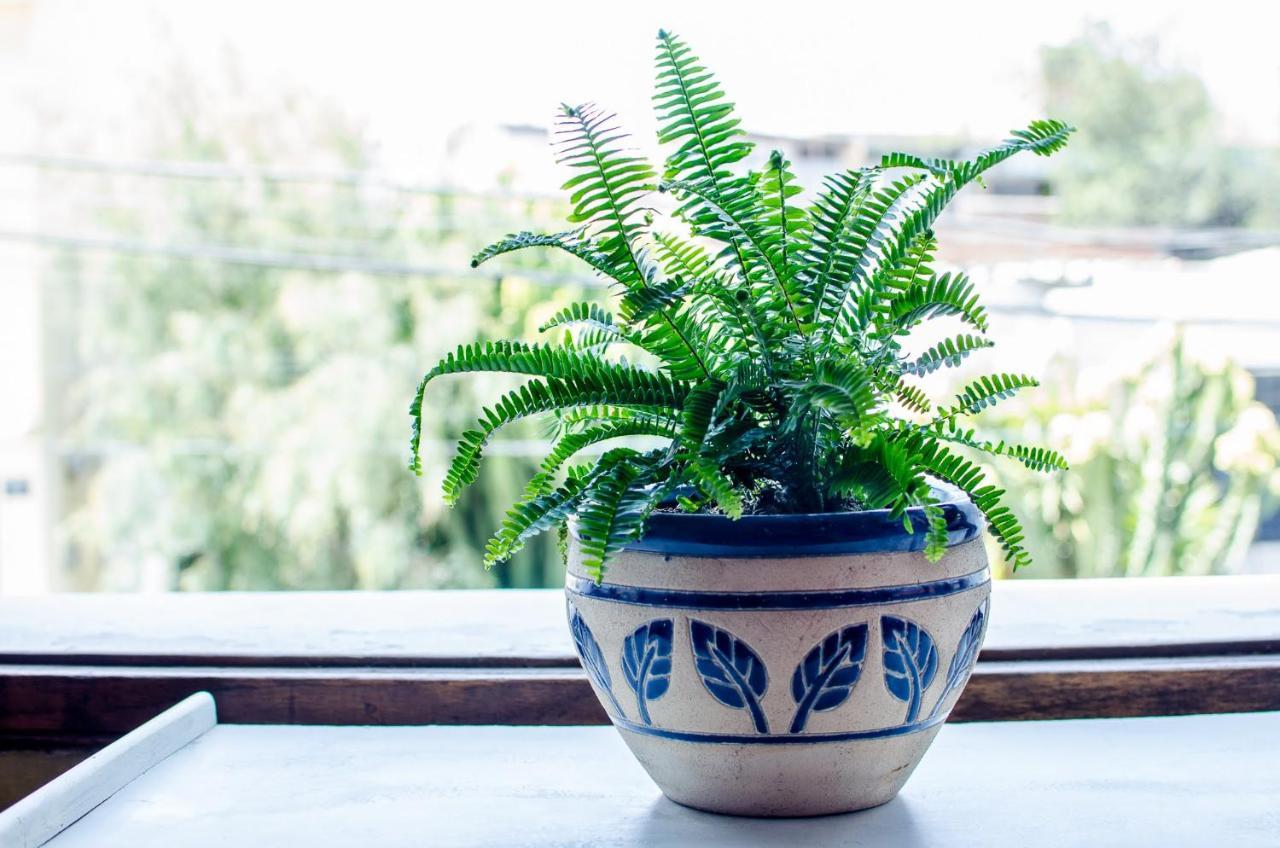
x=89, y=665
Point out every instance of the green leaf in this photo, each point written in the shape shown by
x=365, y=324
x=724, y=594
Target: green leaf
x=1043, y=138
x=621, y=387
x=871, y=223
x=571, y=242
x=698, y=412
x=560, y=362
x=606, y=192
x=842, y=388
x=913, y=398
x=829, y=257
x=948, y=352
x=612, y=514
x=694, y=116
x=571, y=444
x=536, y=513
x=754, y=239
x=582, y=313
x=936, y=296
x=712, y=482
x=987, y=391
x=966, y=476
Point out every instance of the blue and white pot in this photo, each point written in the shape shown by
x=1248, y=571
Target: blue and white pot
x=783, y=665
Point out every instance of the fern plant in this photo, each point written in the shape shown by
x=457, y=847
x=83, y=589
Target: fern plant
x=763, y=349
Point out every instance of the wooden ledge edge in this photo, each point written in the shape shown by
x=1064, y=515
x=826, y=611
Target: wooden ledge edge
x=86, y=702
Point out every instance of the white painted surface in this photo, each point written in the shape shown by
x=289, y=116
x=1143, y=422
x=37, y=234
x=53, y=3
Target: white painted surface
x=43, y=814
x=1189, y=781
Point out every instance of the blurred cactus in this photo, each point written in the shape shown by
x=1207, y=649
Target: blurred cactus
x=1172, y=471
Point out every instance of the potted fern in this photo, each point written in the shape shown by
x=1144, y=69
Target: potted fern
x=779, y=602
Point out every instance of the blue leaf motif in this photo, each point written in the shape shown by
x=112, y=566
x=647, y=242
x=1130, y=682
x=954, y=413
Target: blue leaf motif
x=733, y=673
x=592, y=657
x=966, y=655
x=646, y=662
x=824, y=678
x=910, y=661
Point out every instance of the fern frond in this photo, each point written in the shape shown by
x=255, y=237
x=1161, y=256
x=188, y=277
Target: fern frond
x=682, y=259
x=1043, y=138
x=698, y=413
x=935, y=539
x=693, y=113
x=536, y=513
x=605, y=199
x=621, y=386
x=830, y=260
x=717, y=487
x=592, y=314
x=968, y=477
x=605, y=194
x=948, y=352
x=870, y=225
x=1035, y=458
x=612, y=513
x=943, y=181
x=913, y=398
x=572, y=242
x=745, y=232
x=571, y=444
x=694, y=116
x=885, y=474
x=784, y=219
x=865, y=481
x=512, y=358
x=697, y=419
x=575, y=419
x=1038, y=459
x=915, y=269
x=843, y=388
x=936, y=296
x=540, y=360
x=986, y=391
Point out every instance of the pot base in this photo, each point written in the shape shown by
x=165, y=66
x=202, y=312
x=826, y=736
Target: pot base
x=780, y=780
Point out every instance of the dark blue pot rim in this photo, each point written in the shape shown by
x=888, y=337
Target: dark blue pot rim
x=806, y=534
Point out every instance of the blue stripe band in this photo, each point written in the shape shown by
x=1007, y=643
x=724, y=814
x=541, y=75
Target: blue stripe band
x=827, y=599
x=777, y=739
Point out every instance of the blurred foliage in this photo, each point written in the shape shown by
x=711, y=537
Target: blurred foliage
x=228, y=425
x=1149, y=150
x=1172, y=469
x=239, y=426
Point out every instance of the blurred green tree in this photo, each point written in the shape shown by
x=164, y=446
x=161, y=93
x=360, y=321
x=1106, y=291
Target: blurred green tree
x=1149, y=150
x=240, y=422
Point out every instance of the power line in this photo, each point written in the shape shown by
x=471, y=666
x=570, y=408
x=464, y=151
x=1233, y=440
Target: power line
x=1193, y=243
x=99, y=448
x=290, y=261
x=339, y=263
x=195, y=170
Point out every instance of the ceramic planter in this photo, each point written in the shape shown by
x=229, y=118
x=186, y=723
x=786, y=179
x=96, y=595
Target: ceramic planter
x=783, y=665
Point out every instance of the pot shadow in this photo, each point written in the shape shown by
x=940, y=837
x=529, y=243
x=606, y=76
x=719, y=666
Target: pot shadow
x=666, y=823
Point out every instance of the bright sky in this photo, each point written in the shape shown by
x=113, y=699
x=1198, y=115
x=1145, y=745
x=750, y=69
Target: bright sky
x=414, y=71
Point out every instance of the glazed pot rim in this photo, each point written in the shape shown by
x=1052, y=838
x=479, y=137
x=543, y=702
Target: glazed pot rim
x=806, y=534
